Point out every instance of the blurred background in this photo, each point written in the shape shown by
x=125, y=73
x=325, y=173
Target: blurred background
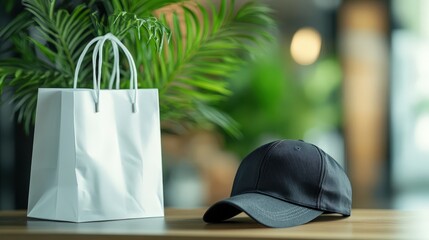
x=347, y=75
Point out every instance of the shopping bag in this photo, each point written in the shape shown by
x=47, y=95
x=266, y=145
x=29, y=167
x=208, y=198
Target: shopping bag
x=97, y=152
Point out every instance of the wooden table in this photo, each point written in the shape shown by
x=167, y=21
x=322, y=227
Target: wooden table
x=187, y=224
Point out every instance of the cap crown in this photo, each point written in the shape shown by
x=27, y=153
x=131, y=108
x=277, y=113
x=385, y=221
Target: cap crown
x=296, y=172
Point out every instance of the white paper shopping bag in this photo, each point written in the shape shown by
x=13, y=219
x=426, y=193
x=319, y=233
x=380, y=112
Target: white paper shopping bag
x=97, y=152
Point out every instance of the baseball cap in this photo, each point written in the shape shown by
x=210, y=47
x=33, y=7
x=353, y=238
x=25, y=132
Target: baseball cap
x=285, y=183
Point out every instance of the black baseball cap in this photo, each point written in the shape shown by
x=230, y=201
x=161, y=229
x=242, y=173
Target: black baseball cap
x=285, y=183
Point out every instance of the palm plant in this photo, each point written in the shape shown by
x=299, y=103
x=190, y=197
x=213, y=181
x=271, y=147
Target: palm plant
x=187, y=53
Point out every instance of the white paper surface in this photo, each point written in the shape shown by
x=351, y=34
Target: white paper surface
x=93, y=166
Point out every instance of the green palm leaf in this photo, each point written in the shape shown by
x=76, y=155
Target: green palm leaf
x=141, y=8
x=47, y=56
x=208, y=47
x=208, y=44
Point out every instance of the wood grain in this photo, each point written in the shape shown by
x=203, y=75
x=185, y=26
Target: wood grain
x=187, y=224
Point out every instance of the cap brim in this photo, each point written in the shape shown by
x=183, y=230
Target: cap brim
x=269, y=211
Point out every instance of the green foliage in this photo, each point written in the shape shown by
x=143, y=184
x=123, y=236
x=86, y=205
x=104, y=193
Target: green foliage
x=273, y=101
x=207, y=43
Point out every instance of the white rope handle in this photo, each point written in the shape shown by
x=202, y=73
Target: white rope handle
x=79, y=62
x=98, y=49
x=97, y=77
x=116, y=70
x=133, y=79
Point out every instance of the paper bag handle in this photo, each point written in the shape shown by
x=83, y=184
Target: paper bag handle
x=133, y=79
x=115, y=71
x=97, y=77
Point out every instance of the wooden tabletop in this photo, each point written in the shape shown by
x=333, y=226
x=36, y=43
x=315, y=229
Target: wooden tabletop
x=187, y=224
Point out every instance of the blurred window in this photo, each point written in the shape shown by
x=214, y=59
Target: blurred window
x=410, y=104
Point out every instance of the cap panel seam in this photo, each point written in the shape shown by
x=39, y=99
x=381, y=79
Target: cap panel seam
x=322, y=177
x=266, y=156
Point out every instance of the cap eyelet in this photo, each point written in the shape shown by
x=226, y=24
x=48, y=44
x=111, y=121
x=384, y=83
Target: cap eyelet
x=297, y=148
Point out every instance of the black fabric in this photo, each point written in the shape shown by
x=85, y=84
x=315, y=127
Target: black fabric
x=264, y=209
x=247, y=177
x=336, y=193
x=285, y=183
x=290, y=173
